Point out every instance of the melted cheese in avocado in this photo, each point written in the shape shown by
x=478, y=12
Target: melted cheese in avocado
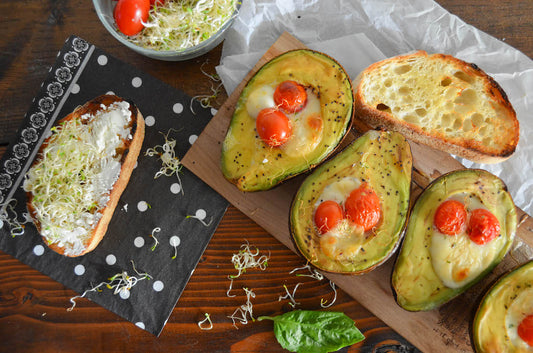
x=338, y=191
x=456, y=259
x=306, y=125
x=346, y=239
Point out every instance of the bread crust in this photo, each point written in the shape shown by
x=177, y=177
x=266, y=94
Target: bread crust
x=470, y=149
x=132, y=148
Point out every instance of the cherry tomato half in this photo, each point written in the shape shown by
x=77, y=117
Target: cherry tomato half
x=273, y=127
x=525, y=330
x=483, y=226
x=327, y=215
x=130, y=15
x=290, y=96
x=450, y=217
x=362, y=207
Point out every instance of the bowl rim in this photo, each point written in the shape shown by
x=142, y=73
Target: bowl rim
x=105, y=20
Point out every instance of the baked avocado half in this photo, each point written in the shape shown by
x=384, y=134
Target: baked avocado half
x=379, y=164
x=433, y=267
x=317, y=125
x=500, y=323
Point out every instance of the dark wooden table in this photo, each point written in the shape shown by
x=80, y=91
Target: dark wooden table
x=32, y=306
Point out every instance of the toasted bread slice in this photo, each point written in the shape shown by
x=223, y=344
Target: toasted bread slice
x=81, y=170
x=440, y=101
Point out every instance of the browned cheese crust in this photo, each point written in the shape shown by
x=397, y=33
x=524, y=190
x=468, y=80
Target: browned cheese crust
x=130, y=153
x=440, y=101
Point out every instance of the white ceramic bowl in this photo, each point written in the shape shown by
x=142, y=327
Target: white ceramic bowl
x=104, y=10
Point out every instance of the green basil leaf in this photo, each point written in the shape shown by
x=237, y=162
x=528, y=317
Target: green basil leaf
x=314, y=331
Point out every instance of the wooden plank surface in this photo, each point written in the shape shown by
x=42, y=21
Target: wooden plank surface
x=33, y=316
x=445, y=329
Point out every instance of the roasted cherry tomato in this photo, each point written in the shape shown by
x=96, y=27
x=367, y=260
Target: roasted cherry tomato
x=130, y=15
x=450, y=217
x=273, y=127
x=525, y=330
x=483, y=226
x=290, y=96
x=327, y=215
x=362, y=207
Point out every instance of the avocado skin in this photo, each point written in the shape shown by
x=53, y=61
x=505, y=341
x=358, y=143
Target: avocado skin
x=413, y=268
x=243, y=153
x=382, y=159
x=495, y=303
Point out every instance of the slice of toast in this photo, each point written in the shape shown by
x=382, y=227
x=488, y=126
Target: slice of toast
x=74, y=184
x=440, y=101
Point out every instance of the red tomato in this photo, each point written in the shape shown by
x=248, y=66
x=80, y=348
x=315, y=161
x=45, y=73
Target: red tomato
x=273, y=127
x=130, y=15
x=450, y=217
x=483, y=226
x=362, y=207
x=327, y=215
x=290, y=96
x=525, y=330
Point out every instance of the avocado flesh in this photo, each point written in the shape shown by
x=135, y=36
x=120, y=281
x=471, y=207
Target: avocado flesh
x=382, y=159
x=415, y=283
x=491, y=331
x=253, y=165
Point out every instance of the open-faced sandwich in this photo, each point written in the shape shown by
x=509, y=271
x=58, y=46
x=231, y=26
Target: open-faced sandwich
x=80, y=172
x=292, y=114
x=440, y=101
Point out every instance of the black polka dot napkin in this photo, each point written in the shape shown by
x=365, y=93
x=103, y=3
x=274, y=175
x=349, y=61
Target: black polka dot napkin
x=161, y=226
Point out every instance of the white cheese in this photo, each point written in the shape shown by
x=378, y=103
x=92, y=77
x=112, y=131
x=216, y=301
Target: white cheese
x=456, y=259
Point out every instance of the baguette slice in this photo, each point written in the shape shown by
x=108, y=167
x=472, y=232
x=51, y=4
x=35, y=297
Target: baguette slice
x=439, y=101
x=81, y=170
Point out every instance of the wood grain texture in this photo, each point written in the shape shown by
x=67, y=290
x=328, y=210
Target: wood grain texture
x=33, y=316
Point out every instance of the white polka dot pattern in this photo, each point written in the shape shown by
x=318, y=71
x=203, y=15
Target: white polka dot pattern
x=136, y=82
x=178, y=108
x=79, y=270
x=102, y=60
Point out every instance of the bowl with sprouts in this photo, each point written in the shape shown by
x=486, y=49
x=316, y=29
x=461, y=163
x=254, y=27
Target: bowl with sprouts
x=170, y=30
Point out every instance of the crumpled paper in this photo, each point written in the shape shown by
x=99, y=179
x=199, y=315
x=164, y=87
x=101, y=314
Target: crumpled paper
x=358, y=33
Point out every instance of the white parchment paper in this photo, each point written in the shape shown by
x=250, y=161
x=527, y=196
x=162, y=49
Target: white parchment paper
x=360, y=32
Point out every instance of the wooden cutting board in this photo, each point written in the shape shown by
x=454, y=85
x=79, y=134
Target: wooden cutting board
x=442, y=330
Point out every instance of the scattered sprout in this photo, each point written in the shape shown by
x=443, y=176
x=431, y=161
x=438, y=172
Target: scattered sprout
x=290, y=296
x=175, y=242
x=323, y=302
x=119, y=283
x=156, y=242
x=242, y=312
x=207, y=224
x=208, y=320
x=244, y=260
x=313, y=273
x=16, y=227
x=171, y=164
x=206, y=100
x=178, y=25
